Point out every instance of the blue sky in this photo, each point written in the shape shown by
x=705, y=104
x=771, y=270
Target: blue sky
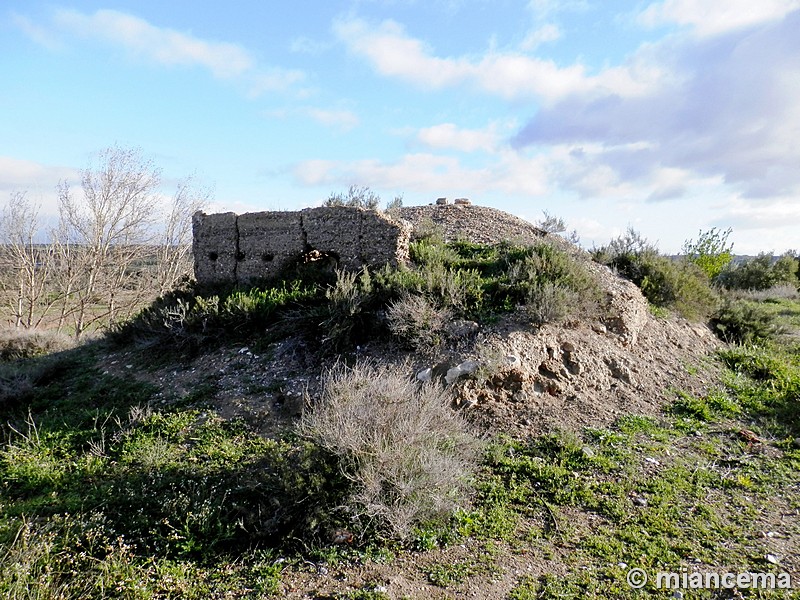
x=671, y=116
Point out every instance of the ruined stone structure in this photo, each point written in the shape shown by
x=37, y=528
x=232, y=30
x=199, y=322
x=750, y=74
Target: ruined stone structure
x=231, y=248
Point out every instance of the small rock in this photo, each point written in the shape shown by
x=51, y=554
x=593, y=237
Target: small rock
x=588, y=452
x=796, y=442
x=677, y=594
x=462, y=201
x=452, y=375
x=773, y=559
x=341, y=536
x=520, y=396
x=513, y=361
x=652, y=461
x=461, y=328
x=465, y=368
x=639, y=501
x=619, y=370
x=425, y=374
x=599, y=328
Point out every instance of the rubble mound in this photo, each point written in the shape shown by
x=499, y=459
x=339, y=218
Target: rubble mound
x=478, y=224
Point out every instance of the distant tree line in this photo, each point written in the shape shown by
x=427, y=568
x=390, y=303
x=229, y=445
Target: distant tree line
x=118, y=243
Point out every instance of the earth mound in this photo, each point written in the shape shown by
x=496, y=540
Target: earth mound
x=524, y=379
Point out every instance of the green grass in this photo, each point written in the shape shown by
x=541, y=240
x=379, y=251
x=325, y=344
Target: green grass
x=449, y=574
x=104, y=495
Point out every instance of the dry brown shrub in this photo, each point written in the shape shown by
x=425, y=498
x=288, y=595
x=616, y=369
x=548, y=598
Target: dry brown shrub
x=409, y=457
x=16, y=343
x=417, y=321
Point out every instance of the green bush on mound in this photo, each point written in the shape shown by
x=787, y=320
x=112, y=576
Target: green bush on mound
x=677, y=284
x=341, y=309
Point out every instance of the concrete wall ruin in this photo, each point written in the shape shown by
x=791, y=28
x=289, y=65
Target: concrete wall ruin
x=230, y=248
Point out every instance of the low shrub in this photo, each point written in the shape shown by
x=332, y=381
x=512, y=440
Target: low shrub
x=550, y=284
x=417, y=321
x=356, y=196
x=711, y=252
x=187, y=319
x=460, y=290
x=775, y=293
x=346, y=316
x=743, y=322
x=550, y=302
x=427, y=252
x=409, y=457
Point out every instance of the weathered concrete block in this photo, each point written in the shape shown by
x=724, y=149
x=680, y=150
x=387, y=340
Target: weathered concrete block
x=260, y=245
x=337, y=231
x=268, y=242
x=383, y=240
x=215, y=246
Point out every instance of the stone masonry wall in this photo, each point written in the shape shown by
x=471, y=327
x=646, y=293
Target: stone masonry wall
x=230, y=248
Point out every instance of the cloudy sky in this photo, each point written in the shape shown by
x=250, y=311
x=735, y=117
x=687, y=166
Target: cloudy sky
x=670, y=116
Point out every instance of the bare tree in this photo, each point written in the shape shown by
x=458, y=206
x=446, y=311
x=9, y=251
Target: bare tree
x=106, y=232
x=552, y=224
x=174, y=251
x=27, y=262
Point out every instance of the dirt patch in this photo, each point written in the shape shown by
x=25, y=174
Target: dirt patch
x=572, y=377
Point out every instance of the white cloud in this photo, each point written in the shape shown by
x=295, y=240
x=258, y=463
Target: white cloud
x=728, y=111
x=742, y=214
x=510, y=75
x=712, y=17
x=545, y=8
x=38, y=180
x=162, y=45
x=541, y=35
x=760, y=226
x=432, y=174
x=37, y=33
x=341, y=119
x=307, y=45
x=165, y=46
x=449, y=136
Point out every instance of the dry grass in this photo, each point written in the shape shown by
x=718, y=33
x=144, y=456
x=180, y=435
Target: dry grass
x=16, y=343
x=778, y=292
x=409, y=456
